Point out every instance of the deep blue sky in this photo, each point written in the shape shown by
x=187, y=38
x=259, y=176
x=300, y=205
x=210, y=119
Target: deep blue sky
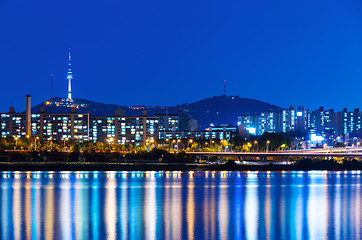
x=284, y=52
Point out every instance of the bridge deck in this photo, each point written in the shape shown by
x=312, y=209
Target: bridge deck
x=279, y=154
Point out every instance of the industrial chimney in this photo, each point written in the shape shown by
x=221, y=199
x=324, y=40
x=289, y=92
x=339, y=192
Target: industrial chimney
x=28, y=115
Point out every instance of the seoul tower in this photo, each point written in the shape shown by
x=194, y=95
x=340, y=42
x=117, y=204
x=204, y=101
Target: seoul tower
x=70, y=77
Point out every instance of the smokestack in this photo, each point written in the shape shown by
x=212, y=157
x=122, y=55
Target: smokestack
x=28, y=115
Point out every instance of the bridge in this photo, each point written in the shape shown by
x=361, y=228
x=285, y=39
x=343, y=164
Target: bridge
x=327, y=153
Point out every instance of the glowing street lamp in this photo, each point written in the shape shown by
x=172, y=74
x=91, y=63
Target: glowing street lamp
x=110, y=141
x=178, y=144
x=35, y=142
x=256, y=143
x=267, y=146
x=173, y=144
x=64, y=139
x=51, y=143
x=168, y=145
x=16, y=141
x=188, y=144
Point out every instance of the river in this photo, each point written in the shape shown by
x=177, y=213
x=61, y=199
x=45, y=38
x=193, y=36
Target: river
x=181, y=205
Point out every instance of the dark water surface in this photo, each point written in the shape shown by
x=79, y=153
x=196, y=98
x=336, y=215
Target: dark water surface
x=180, y=205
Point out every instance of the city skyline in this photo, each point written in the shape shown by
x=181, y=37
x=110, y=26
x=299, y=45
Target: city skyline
x=280, y=53
x=180, y=119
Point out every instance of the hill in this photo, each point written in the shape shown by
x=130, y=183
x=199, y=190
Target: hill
x=224, y=109
x=216, y=110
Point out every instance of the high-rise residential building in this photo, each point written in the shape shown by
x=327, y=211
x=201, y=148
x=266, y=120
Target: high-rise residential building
x=13, y=124
x=357, y=120
x=124, y=130
x=249, y=123
x=173, y=123
x=289, y=120
x=266, y=123
x=47, y=126
x=286, y=120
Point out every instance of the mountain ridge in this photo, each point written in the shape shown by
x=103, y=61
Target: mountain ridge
x=216, y=109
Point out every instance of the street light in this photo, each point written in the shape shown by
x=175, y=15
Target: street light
x=168, y=145
x=188, y=145
x=35, y=142
x=256, y=143
x=51, y=143
x=64, y=139
x=16, y=142
x=223, y=142
x=110, y=141
x=267, y=146
x=178, y=144
x=27, y=136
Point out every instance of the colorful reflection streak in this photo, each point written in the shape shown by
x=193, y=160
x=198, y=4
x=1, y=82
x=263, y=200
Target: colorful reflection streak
x=180, y=205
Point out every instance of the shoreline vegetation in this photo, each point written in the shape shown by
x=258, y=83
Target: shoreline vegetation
x=154, y=160
x=53, y=166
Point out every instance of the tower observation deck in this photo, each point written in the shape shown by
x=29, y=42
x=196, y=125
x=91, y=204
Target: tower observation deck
x=70, y=77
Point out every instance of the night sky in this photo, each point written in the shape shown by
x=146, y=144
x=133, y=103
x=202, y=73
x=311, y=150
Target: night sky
x=284, y=52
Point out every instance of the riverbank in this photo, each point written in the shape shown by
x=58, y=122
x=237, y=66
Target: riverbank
x=155, y=160
x=58, y=166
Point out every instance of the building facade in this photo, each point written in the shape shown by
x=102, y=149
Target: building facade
x=302, y=120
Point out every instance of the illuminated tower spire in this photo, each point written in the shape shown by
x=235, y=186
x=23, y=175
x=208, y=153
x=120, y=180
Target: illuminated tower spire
x=70, y=77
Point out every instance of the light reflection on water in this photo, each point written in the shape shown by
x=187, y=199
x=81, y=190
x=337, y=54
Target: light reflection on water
x=180, y=205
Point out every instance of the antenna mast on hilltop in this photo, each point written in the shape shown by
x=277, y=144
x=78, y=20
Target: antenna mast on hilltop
x=225, y=87
x=51, y=86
